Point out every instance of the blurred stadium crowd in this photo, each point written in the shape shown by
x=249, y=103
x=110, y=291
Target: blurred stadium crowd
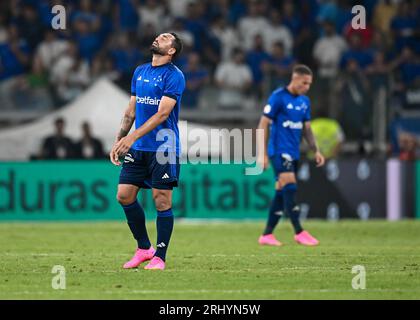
x=236, y=52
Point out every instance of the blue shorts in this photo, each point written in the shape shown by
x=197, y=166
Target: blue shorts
x=283, y=163
x=142, y=169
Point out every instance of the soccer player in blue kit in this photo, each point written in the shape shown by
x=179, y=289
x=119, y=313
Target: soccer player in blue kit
x=286, y=117
x=151, y=152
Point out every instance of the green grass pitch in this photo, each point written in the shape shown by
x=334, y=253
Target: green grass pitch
x=212, y=260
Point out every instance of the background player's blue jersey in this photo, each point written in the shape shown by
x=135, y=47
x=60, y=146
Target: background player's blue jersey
x=149, y=85
x=288, y=113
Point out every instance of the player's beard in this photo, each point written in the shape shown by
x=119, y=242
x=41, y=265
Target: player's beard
x=156, y=50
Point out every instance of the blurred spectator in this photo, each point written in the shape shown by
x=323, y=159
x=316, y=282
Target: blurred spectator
x=29, y=25
x=277, y=32
x=88, y=147
x=58, y=146
x=329, y=136
x=407, y=78
x=103, y=67
x=152, y=12
x=48, y=51
x=328, y=11
x=195, y=24
x=344, y=15
x=178, y=8
x=409, y=69
x=70, y=74
x=252, y=24
x=383, y=14
x=405, y=26
x=356, y=52
x=365, y=34
x=14, y=55
x=290, y=18
x=14, y=59
x=226, y=35
x=196, y=77
x=327, y=53
x=378, y=71
x=3, y=28
x=353, y=91
x=258, y=60
x=280, y=67
x=408, y=146
x=86, y=26
x=233, y=78
x=126, y=57
x=125, y=15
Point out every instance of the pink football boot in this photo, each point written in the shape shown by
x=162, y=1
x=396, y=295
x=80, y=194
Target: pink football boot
x=269, y=240
x=139, y=257
x=155, y=264
x=306, y=239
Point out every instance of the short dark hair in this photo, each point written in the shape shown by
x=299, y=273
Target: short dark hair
x=177, y=44
x=302, y=70
x=59, y=120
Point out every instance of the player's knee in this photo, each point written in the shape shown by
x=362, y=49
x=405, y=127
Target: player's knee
x=162, y=201
x=125, y=198
x=285, y=180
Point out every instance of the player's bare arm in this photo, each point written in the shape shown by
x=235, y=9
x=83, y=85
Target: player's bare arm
x=262, y=142
x=126, y=124
x=310, y=139
x=165, y=107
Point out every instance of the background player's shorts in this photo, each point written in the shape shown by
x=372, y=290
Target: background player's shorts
x=141, y=168
x=283, y=163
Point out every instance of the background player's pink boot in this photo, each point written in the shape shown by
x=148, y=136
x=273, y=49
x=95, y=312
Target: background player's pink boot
x=306, y=239
x=269, y=240
x=155, y=264
x=139, y=257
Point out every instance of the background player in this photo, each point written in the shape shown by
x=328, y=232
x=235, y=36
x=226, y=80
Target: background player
x=156, y=92
x=286, y=115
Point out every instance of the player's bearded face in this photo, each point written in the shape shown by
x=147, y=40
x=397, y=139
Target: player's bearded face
x=160, y=46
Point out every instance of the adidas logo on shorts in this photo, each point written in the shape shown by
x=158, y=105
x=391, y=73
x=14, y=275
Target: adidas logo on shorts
x=165, y=176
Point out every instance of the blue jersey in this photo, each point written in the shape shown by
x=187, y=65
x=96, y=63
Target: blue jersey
x=149, y=85
x=288, y=113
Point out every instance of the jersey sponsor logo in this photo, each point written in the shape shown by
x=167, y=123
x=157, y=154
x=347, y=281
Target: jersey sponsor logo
x=267, y=108
x=293, y=125
x=148, y=100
